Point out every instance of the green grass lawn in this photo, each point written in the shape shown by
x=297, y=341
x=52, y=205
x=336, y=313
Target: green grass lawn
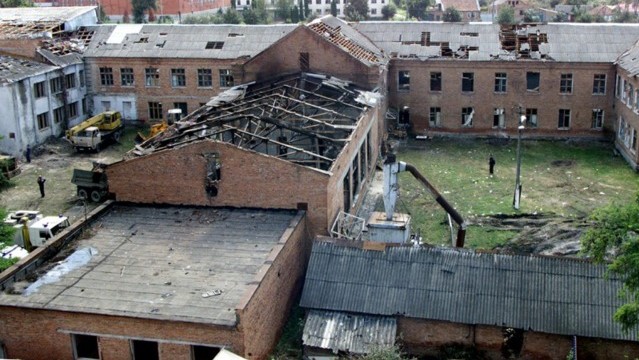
x=566, y=179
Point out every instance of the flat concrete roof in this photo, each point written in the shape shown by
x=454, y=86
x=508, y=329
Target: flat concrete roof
x=170, y=263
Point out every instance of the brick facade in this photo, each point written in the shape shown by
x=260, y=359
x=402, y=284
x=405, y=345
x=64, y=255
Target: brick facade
x=626, y=102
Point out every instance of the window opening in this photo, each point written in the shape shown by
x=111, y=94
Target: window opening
x=531, y=116
x=152, y=76
x=434, y=119
x=468, y=80
x=565, y=85
x=106, y=76
x=499, y=118
x=85, y=346
x=226, y=78
x=213, y=173
x=599, y=84
x=403, y=80
x=435, y=81
x=467, y=116
x=214, y=45
x=500, y=82
x=204, y=352
x=305, y=62
x=597, y=118
x=126, y=75
x=532, y=81
x=145, y=350
x=564, y=119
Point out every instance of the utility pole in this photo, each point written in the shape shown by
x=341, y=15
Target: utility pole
x=517, y=196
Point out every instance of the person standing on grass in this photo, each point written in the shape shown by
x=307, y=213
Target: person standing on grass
x=28, y=153
x=41, y=181
x=491, y=165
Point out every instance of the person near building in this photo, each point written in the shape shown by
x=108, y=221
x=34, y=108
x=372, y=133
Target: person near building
x=28, y=153
x=491, y=165
x=41, y=181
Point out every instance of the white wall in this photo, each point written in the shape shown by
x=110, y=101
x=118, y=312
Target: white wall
x=124, y=103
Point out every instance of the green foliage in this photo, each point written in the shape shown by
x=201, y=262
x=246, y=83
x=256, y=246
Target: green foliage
x=560, y=17
x=6, y=239
x=384, y=353
x=15, y=3
x=217, y=18
x=165, y=19
x=290, y=343
x=571, y=355
x=102, y=16
x=283, y=10
x=452, y=15
x=6, y=263
x=388, y=11
x=334, y=7
x=250, y=16
x=506, y=15
x=614, y=233
x=532, y=16
x=356, y=10
x=417, y=8
x=307, y=11
x=619, y=16
x=295, y=14
x=140, y=7
x=231, y=16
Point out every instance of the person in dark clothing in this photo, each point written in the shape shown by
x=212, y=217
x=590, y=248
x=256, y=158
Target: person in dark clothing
x=491, y=165
x=28, y=153
x=41, y=182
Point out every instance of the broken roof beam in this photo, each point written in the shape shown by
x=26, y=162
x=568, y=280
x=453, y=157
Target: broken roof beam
x=319, y=121
x=320, y=107
x=301, y=131
x=326, y=98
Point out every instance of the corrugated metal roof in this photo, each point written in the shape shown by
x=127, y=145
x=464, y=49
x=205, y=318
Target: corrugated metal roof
x=14, y=69
x=185, y=41
x=629, y=60
x=356, y=334
x=551, y=295
x=565, y=41
x=37, y=14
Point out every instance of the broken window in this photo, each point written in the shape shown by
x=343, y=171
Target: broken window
x=85, y=346
x=346, y=183
x=404, y=116
x=599, y=84
x=435, y=81
x=214, y=45
x=403, y=80
x=204, y=352
x=499, y=118
x=532, y=81
x=204, y=78
x=126, y=77
x=145, y=350
x=597, y=119
x=631, y=91
x=531, y=117
x=434, y=120
x=305, y=62
x=39, y=90
x=155, y=110
x=69, y=80
x=213, y=173
x=565, y=84
x=563, y=122
x=56, y=85
x=152, y=77
x=72, y=110
x=467, y=116
x=468, y=82
x=226, y=78
x=500, y=82
x=106, y=76
x=619, y=86
x=58, y=115
x=81, y=75
x=43, y=120
x=182, y=106
x=178, y=78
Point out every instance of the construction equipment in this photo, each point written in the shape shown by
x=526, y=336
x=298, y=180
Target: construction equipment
x=32, y=229
x=392, y=227
x=172, y=116
x=91, y=184
x=95, y=132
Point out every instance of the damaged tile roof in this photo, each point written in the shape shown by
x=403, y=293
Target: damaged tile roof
x=306, y=119
x=143, y=261
x=352, y=333
x=13, y=69
x=460, y=5
x=565, y=42
x=629, y=60
x=184, y=41
x=550, y=295
x=344, y=36
x=35, y=21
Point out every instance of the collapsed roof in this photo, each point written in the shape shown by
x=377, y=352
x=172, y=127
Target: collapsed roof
x=306, y=119
x=30, y=22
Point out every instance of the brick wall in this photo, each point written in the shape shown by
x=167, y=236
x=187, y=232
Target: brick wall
x=52, y=340
x=484, y=99
x=324, y=58
x=20, y=47
x=589, y=348
x=248, y=179
x=268, y=304
x=165, y=93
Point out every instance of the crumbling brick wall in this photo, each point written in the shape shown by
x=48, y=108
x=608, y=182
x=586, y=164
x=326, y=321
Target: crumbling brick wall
x=248, y=179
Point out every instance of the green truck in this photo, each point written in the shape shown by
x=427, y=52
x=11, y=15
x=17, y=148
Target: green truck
x=91, y=184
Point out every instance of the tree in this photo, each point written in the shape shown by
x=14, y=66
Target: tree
x=250, y=16
x=259, y=6
x=389, y=11
x=231, y=16
x=140, y=7
x=15, y=3
x=356, y=10
x=295, y=14
x=531, y=16
x=560, y=17
x=506, y=15
x=619, y=16
x=283, y=10
x=125, y=17
x=6, y=238
x=614, y=233
x=452, y=15
x=334, y=7
x=417, y=8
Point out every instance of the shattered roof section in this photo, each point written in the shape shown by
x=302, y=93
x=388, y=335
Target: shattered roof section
x=67, y=50
x=32, y=22
x=351, y=333
x=629, y=60
x=184, y=41
x=565, y=42
x=306, y=119
x=344, y=36
x=14, y=69
x=460, y=5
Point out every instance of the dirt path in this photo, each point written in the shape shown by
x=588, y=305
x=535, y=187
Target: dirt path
x=55, y=161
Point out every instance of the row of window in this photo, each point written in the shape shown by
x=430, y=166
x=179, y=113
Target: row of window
x=627, y=93
x=57, y=85
x=44, y=119
x=627, y=135
x=533, y=81
x=177, y=77
x=532, y=119
x=86, y=347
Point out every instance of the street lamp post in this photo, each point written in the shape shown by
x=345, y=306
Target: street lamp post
x=520, y=127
